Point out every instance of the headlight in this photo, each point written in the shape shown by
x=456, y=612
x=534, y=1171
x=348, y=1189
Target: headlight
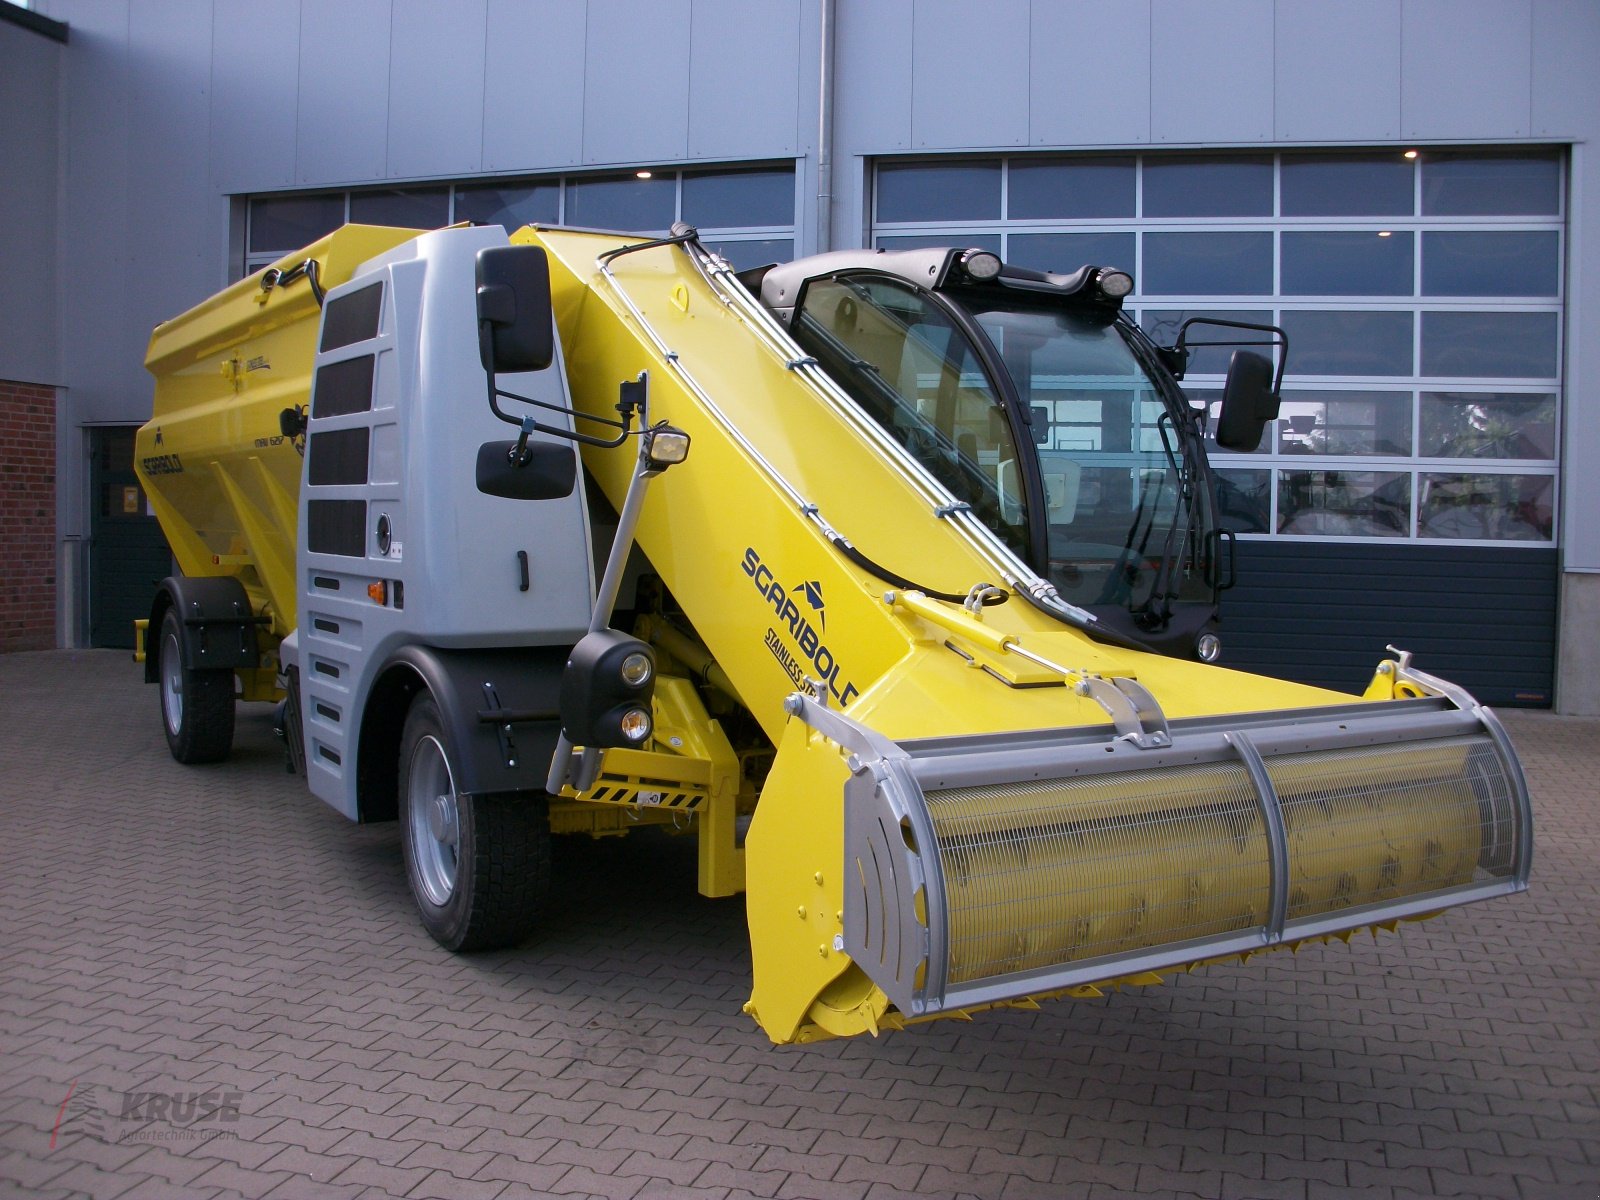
x=1115, y=284
x=980, y=264
x=636, y=669
x=635, y=725
x=665, y=446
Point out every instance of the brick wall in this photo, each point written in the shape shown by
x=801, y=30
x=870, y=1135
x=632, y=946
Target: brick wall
x=27, y=516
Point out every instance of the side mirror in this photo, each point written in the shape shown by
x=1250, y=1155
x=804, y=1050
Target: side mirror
x=515, y=329
x=1248, y=402
x=547, y=472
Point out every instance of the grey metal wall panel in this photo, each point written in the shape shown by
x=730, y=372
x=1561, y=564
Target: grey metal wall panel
x=167, y=194
x=1580, y=483
x=744, y=78
x=1481, y=617
x=103, y=366
x=342, y=126
x=1467, y=68
x=1210, y=71
x=30, y=87
x=436, y=130
x=636, y=81
x=1337, y=71
x=252, y=135
x=1089, y=73
x=873, y=64
x=1566, y=76
x=533, y=84
x=948, y=38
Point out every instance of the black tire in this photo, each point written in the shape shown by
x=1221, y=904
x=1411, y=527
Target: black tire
x=478, y=865
x=196, y=706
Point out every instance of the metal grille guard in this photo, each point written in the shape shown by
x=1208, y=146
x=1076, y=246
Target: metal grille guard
x=987, y=868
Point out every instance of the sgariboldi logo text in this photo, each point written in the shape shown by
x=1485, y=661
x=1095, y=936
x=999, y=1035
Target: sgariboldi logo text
x=802, y=653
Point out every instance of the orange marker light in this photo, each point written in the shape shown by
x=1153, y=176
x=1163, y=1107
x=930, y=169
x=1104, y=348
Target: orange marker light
x=379, y=591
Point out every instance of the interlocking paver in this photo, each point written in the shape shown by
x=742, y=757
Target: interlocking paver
x=176, y=929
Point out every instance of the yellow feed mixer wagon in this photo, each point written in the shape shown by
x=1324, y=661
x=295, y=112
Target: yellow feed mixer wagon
x=893, y=577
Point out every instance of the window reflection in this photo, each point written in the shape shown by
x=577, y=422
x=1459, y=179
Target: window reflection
x=511, y=206
x=1493, y=345
x=738, y=199
x=1368, y=423
x=1476, y=183
x=279, y=224
x=961, y=191
x=1491, y=263
x=1230, y=186
x=1348, y=342
x=1499, y=507
x=624, y=203
x=1064, y=253
x=1344, y=503
x=407, y=208
x=1162, y=324
x=1074, y=189
x=1488, y=425
x=1339, y=263
x=1367, y=185
x=1207, y=264
x=1244, y=500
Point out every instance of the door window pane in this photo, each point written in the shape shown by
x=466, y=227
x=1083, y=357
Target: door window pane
x=1469, y=183
x=1367, y=185
x=1207, y=264
x=1345, y=422
x=1494, y=345
x=286, y=223
x=512, y=206
x=408, y=208
x=623, y=203
x=1491, y=263
x=1064, y=253
x=1518, y=508
x=1335, y=342
x=1071, y=189
x=756, y=252
x=1162, y=324
x=964, y=191
x=1488, y=425
x=1377, y=263
x=1244, y=500
x=1234, y=186
x=734, y=199
x=1344, y=503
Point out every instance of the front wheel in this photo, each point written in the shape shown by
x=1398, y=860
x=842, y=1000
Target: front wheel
x=196, y=706
x=478, y=865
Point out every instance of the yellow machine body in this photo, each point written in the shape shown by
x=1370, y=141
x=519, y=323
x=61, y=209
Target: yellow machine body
x=222, y=477
x=954, y=806
x=1039, y=874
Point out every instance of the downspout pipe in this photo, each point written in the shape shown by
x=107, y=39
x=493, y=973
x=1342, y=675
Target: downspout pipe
x=825, y=130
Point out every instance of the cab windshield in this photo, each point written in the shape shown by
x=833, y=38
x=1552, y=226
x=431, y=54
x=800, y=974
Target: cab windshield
x=1117, y=498
x=1123, y=492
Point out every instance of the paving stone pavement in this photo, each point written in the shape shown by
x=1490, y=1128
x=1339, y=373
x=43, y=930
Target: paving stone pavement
x=174, y=932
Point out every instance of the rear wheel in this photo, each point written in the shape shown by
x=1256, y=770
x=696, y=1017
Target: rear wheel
x=478, y=865
x=196, y=706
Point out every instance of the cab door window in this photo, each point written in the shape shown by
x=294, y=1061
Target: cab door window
x=907, y=365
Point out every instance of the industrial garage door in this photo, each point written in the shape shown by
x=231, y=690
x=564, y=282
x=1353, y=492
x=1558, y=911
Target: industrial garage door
x=1409, y=491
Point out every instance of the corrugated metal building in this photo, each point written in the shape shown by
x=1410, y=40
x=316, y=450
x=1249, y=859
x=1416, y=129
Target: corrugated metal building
x=1407, y=186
